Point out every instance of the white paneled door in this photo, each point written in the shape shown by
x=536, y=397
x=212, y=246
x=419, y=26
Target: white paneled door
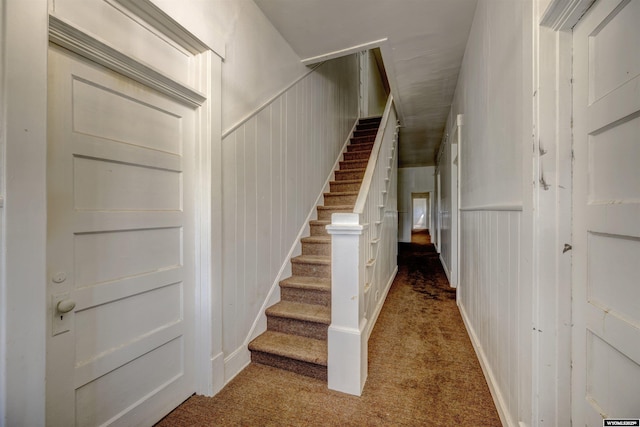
x=606, y=209
x=120, y=248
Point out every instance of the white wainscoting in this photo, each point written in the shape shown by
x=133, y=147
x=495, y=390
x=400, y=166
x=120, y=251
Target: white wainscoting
x=490, y=301
x=274, y=167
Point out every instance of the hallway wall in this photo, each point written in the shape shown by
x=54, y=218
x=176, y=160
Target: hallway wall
x=494, y=95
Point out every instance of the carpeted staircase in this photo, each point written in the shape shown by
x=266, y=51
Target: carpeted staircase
x=296, y=335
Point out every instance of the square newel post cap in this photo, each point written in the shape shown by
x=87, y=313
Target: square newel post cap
x=346, y=223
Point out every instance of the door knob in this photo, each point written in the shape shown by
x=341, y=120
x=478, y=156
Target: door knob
x=65, y=306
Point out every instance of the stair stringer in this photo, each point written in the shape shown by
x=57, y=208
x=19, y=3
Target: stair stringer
x=236, y=361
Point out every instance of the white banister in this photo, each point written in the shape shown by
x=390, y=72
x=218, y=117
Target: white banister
x=363, y=261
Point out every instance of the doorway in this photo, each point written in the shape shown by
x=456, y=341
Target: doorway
x=606, y=231
x=120, y=247
x=420, y=217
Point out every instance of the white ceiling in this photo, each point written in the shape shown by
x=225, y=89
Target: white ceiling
x=422, y=54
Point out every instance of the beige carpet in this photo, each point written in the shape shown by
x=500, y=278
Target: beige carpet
x=422, y=370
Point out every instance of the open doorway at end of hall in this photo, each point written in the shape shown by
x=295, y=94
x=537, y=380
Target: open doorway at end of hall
x=420, y=217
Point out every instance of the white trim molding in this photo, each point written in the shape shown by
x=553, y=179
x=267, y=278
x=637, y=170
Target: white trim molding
x=158, y=19
x=78, y=41
x=562, y=15
x=497, y=208
x=343, y=52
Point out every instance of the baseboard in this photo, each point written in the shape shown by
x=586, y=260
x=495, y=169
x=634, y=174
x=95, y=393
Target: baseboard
x=445, y=268
x=503, y=411
x=217, y=367
x=374, y=318
x=236, y=362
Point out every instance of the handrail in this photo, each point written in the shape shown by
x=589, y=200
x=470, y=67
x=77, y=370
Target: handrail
x=371, y=165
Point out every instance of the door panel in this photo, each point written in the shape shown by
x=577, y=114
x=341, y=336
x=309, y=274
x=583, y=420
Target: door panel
x=120, y=246
x=606, y=206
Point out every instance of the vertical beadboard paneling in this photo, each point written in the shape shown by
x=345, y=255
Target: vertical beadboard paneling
x=229, y=240
x=274, y=167
x=250, y=223
x=264, y=196
x=490, y=296
x=276, y=159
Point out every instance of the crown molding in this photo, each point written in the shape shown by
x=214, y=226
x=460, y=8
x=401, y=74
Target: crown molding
x=68, y=36
x=562, y=15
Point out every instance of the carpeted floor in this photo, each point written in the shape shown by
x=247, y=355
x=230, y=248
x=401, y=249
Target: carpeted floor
x=422, y=370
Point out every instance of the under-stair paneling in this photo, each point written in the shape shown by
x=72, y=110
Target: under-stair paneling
x=274, y=167
x=490, y=299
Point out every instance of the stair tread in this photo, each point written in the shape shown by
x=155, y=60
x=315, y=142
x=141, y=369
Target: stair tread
x=336, y=207
x=342, y=193
x=292, y=346
x=306, y=282
x=347, y=181
x=312, y=259
x=319, y=222
x=301, y=311
x=352, y=170
x=354, y=161
x=316, y=239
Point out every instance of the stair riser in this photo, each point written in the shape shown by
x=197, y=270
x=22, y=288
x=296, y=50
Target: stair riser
x=297, y=366
x=360, y=147
x=357, y=155
x=357, y=164
x=370, y=120
x=337, y=186
x=368, y=132
x=302, y=328
x=363, y=139
x=349, y=174
x=306, y=296
x=314, y=248
x=367, y=126
x=318, y=230
x=336, y=200
x=311, y=270
x=325, y=214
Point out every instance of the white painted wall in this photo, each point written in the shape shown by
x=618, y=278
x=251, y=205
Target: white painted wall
x=258, y=64
x=275, y=166
x=411, y=180
x=22, y=272
x=376, y=92
x=489, y=91
x=494, y=93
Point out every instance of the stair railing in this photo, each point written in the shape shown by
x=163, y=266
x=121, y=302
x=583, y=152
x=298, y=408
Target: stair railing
x=363, y=261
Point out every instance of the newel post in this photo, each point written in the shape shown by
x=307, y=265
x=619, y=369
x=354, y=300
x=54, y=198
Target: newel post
x=347, y=342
